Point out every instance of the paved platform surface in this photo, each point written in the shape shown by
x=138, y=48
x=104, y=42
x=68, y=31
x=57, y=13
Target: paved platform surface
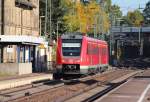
x=15, y=81
x=84, y=96
x=135, y=90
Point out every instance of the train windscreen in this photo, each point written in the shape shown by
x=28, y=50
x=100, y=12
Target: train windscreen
x=71, y=47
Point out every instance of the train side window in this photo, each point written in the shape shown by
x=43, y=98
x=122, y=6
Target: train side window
x=95, y=49
x=92, y=49
x=104, y=51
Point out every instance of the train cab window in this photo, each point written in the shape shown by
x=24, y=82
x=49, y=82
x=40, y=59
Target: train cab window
x=71, y=47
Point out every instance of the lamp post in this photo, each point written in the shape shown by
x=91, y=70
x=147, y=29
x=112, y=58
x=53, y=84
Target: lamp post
x=118, y=22
x=46, y=16
x=41, y=24
x=140, y=40
x=50, y=19
x=95, y=22
x=58, y=22
x=139, y=34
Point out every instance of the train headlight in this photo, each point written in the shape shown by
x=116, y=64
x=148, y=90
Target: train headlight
x=63, y=61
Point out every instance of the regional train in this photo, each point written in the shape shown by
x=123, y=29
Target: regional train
x=79, y=55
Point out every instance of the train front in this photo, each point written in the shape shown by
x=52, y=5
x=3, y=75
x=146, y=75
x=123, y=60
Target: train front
x=68, y=55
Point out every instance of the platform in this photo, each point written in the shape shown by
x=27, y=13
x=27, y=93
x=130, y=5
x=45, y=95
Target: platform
x=135, y=90
x=15, y=81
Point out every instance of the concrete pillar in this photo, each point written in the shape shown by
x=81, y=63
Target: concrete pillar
x=33, y=58
x=141, y=47
x=29, y=53
x=36, y=59
x=18, y=54
x=24, y=54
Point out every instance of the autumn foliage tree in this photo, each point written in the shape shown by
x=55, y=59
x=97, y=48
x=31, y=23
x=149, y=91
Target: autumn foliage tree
x=134, y=18
x=85, y=17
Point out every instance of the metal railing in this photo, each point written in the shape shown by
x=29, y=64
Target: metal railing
x=118, y=29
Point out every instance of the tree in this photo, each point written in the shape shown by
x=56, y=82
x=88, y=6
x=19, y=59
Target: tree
x=57, y=14
x=86, y=18
x=115, y=13
x=146, y=13
x=105, y=4
x=134, y=18
x=108, y=6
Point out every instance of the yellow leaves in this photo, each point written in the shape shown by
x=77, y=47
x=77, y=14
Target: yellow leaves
x=135, y=18
x=106, y=23
x=86, y=18
x=71, y=22
x=67, y=3
x=86, y=15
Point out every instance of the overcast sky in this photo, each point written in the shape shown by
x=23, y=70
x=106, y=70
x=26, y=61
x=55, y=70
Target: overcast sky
x=129, y=5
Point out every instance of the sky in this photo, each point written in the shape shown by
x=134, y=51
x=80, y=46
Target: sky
x=130, y=5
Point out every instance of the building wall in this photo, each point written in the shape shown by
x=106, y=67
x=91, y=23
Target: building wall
x=19, y=21
x=0, y=28
x=0, y=16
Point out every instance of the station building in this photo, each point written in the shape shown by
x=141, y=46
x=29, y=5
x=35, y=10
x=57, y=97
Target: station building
x=22, y=50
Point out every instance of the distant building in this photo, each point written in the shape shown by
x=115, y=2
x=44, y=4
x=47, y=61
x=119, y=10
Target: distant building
x=19, y=32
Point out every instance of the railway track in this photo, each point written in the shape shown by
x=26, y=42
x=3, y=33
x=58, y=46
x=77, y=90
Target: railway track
x=61, y=92
x=102, y=89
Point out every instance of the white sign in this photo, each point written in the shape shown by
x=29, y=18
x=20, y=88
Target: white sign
x=9, y=50
x=71, y=44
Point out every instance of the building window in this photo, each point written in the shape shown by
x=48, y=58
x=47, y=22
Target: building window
x=25, y=4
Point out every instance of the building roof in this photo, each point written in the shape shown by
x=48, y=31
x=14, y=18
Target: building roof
x=24, y=39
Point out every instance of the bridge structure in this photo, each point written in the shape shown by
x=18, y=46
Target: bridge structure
x=129, y=41
x=132, y=33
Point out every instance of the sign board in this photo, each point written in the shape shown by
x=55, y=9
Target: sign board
x=113, y=52
x=71, y=45
x=9, y=50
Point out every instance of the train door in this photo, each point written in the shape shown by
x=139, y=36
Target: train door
x=100, y=55
x=90, y=53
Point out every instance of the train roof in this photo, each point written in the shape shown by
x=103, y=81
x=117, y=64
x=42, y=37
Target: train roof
x=71, y=36
x=78, y=35
x=95, y=40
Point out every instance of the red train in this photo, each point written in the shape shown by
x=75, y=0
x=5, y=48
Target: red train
x=80, y=55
